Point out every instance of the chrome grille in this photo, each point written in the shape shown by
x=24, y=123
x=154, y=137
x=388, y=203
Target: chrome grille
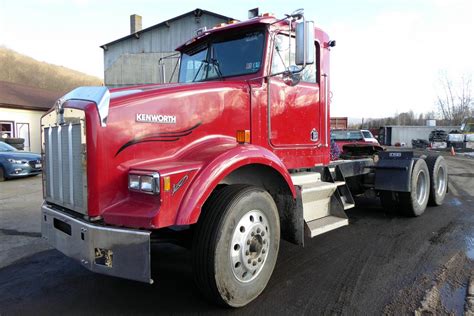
x=64, y=158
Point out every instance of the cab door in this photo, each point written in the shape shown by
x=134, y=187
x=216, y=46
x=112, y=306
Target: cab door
x=294, y=111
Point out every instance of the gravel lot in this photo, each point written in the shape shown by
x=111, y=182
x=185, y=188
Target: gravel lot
x=379, y=264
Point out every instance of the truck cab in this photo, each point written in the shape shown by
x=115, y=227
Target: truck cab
x=231, y=158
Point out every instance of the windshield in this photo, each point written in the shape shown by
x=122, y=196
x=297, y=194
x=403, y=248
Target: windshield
x=6, y=147
x=367, y=134
x=468, y=128
x=346, y=135
x=235, y=56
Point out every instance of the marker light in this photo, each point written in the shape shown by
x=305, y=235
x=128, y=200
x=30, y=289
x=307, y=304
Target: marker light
x=243, y=136
x=166, y=184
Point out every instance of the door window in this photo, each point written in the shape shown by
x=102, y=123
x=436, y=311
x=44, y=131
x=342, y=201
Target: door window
x=282, y=58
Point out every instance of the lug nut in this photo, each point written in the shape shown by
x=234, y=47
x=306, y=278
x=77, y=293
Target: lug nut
x=254, y=263
x=249, y=261
x=247, y=253
x=264, y=241
x=259, y=259
x=252, y=234
x=258, y=230
x=263, y=250
x=248, y=242
x=263, y=233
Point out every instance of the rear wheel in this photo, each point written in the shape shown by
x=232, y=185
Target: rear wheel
x=236, y=244
x=2, y=174
x=414, y=203
x=438, y=171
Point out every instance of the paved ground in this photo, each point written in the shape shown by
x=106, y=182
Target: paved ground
x=378, y=264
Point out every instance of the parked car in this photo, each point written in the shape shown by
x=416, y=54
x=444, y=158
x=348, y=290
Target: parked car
x=420, y=143
x=15, y=163
x=369, y=137
x=342, y=137
x=351, y=143
x=438, y=135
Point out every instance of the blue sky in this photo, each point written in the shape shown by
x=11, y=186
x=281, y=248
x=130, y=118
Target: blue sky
x=387, y=59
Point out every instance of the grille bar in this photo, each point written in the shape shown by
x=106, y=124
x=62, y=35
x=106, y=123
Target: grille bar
x=60, y=165
x=49, y=170
x=71, y=172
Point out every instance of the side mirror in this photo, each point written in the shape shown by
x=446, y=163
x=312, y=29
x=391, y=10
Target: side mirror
x=292, y=77
x=305, y=48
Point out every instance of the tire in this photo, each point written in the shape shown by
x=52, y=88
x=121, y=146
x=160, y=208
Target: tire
x=13, y=141
x=438, y=171
x=231, y=218
x=414, y=203
x=2, y=174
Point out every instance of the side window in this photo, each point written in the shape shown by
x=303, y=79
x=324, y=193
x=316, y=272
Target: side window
x=281, y=58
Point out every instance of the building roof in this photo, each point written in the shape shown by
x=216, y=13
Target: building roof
x=19, y=96
x=196, y=12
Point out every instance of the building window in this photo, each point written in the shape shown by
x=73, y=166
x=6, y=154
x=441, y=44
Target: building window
x=6, y=129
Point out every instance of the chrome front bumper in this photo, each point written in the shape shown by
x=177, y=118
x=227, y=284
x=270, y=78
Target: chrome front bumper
x=119, y=252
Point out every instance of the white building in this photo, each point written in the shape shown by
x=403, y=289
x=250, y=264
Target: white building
x=21, y=108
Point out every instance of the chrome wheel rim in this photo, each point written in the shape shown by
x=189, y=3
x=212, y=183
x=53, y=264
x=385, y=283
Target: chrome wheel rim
x=421, y=187
x=441, y=181
x=250, y=245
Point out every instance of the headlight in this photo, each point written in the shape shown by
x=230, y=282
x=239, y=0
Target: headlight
x=16, y=161
x=133, y=182
x=144, y=182
x=147, y=183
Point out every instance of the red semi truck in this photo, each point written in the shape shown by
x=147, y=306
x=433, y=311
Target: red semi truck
x=233, y=157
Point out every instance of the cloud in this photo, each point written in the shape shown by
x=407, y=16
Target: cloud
x=389, y=62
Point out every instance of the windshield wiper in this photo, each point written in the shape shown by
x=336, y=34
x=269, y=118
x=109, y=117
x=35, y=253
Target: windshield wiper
x=199, y=69
x=215, y=65
x=214, y=62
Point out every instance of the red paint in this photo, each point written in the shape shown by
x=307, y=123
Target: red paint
x=201, y=144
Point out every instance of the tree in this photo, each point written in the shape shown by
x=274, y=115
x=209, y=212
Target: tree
x=455, y=100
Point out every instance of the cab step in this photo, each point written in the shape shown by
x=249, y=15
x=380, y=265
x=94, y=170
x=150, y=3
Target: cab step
x=302, y=178
x=323, y=205
x=322, y=225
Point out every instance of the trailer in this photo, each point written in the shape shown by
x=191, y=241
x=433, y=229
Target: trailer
x=229, y=160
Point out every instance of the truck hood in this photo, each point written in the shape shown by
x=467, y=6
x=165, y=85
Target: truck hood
x=157, y=123
x=119, y=95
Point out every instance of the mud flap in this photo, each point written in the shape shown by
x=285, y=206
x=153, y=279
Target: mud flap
x=393, y=171
x=291, y=219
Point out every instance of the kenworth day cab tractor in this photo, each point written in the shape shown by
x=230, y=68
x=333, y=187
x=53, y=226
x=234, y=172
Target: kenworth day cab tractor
x=233, y=157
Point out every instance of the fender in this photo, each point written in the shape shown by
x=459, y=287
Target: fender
x=219, y=167
x=393, y=171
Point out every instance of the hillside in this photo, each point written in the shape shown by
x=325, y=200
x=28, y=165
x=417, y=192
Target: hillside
x=18, y=68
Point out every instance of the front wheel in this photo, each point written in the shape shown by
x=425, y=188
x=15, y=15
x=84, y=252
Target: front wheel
x=236, y=244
